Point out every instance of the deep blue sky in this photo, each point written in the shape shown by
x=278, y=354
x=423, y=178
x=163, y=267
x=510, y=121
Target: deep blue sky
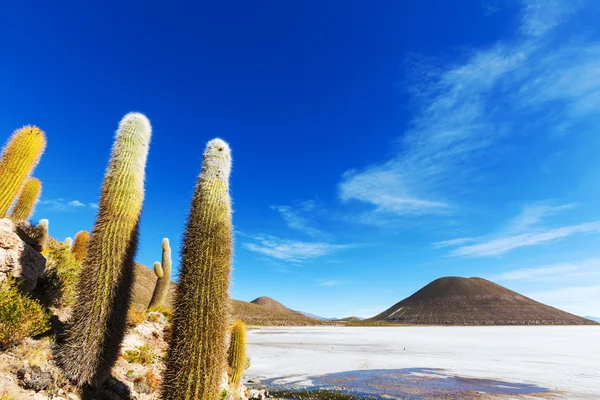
x=377, y=145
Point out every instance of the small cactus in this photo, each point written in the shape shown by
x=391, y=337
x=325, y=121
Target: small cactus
x=197, y=355
x=68, y=242
x=19, y=158
x=30, y=194
x=91, y=343
x=163, y=272
x=80, y=245
x=236, y=356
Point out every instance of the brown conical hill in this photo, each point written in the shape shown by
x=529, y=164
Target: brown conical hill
x=271, y=303
x=473, y=301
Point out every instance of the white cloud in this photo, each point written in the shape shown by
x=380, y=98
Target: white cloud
x=61, y=204
x=330, y=282
x=526, y=229
x=464, y=111
x=503, y=245
x=561, y=272
x=295, y=217
x=533, y=215
x=291, y=250
x=453, y=242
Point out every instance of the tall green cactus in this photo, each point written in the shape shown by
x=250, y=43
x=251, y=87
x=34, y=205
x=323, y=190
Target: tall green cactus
x=80, y=245
x=164, y=278
x=27, y=199
x=19, y=158
x=91, y=343
x=236, y=356
x=196, y=359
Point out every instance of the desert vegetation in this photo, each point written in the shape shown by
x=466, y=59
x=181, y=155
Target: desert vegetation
x=87, y=284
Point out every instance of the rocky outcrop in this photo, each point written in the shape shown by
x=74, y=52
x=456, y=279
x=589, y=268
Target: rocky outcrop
x=17, y=258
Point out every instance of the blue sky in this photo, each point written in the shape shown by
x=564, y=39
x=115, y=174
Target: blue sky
x=377, y=145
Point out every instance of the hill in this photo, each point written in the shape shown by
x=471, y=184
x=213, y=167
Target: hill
x=473, y=301
x=272, y=303
x=251, y=314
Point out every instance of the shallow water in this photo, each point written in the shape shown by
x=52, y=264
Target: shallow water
x=407, y=383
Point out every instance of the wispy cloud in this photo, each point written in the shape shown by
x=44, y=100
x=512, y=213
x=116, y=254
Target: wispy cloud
x=503, y=245
x=291, y=250
x=330, y=282
x=61, y=204
x=560, y=272
x=464, y=110
x=529, y=228
x=296, y=217
x=532, y=216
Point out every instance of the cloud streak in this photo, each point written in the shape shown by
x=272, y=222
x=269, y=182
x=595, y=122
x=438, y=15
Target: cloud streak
x=465, y=110
x=61, y=204
x=503, y=245
x=291, y=250
x=561, y=272
x=295, y=218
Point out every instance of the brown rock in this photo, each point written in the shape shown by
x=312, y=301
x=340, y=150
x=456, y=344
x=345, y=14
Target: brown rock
x=17, y=258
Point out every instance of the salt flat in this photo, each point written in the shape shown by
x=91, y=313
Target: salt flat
x=565, y=359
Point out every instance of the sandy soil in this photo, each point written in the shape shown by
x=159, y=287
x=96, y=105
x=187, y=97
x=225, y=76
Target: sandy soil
x=562, y=359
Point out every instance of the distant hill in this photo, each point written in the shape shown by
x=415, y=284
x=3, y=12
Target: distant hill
x=473, y=301
x=251, y=314
x=597, y=319
x=271, y=303
x=315, y=316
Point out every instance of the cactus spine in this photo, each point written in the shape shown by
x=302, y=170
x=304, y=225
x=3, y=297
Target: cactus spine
x=163, y=272
x=236, y=356
x=27, y=199
x=19, y=158
x=80, y=245
x=91, y=343
x=196, y=359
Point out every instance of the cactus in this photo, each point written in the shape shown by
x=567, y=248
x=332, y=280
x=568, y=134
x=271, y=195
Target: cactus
x=68, y=242
x=236, y=356
x=196, y=358
x=90, y=345
x=19, y=158
x=163, y=272
x=80, y=245
x=27, y=199
x=35, y=236
x=158, y=270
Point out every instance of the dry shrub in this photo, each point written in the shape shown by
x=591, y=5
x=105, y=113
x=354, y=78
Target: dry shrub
x=140, y=355
x=20, y=315
x=135, y=317
x=148, y=383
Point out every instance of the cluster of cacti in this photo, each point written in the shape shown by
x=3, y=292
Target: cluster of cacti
x=196, y=358
x=236, y=356
x=35, y=236
x=163, y=272
x=26, y=202
x=80, y=245
x=19, y=158
x=91, y=343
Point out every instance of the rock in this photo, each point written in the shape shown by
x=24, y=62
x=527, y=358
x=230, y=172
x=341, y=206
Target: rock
x=17, y=258
x=257, y=394
x=34, y=378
